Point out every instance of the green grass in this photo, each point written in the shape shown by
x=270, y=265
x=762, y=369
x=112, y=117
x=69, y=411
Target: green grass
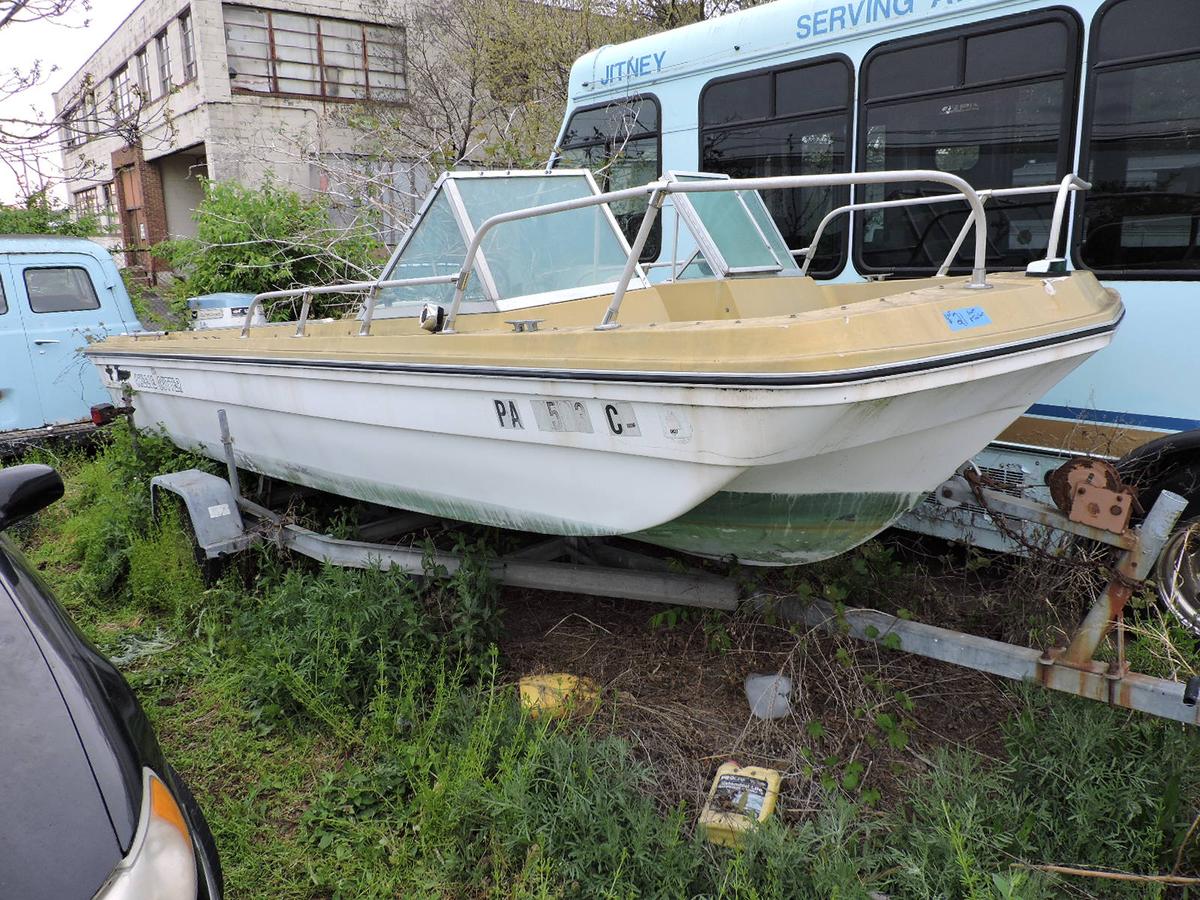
x=347, y=737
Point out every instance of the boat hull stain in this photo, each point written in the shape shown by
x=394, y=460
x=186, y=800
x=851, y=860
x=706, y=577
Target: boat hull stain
x=781, y=529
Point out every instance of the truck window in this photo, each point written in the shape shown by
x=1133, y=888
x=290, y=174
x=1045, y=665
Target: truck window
x=992, y=103
x=787, y=121
x=619, y=143
x=60, y=289
x=1142, y=140
x=3, y=301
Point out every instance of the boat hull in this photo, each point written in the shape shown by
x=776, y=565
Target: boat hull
x=770, y=473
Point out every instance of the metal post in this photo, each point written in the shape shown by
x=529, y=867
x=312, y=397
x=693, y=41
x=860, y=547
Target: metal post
x=639, y=242
x=255, y=306
x=227, y=442
x=958, y=242
x=368, y=311
x=300, y=323
x=1069, y=183
x=1135, y=565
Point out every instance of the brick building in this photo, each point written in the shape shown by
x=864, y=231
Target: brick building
x=239, y=91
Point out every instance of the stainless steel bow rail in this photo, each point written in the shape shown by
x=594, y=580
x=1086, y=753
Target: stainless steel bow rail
x=225, y=522
x=656, y=193
x=1069, y=184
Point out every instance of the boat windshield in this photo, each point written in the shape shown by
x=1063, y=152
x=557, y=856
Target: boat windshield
x=557, y=252
x=569, y=251
x=737, y=226
x=435, y=247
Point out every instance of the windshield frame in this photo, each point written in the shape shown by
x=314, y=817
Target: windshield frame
x=447, y=183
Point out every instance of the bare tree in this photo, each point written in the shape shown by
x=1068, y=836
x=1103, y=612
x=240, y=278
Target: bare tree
x=16, y=11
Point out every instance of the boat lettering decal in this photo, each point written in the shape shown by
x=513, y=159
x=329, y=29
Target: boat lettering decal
x=676, y=426
x=621, y=419
x=145, y=381
x=967, y=317
x=559, y=414
x=506, y=412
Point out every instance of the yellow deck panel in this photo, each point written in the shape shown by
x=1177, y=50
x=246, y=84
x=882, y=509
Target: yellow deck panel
x=761, y=325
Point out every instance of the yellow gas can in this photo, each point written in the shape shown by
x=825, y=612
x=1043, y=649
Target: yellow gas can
x=740, y=797
x=558, y=695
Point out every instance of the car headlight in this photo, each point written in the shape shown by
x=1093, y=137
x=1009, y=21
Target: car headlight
x=161, y=864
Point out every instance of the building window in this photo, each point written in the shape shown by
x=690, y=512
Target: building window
x=86, y=202
x=313, y=56
x=142, y=61
x=790, y=121
x=1142, y=141
x=619, y=142
x=72, y=126
x=164, y=61
x=189, y=46
x=993, y=104
x=122, y=93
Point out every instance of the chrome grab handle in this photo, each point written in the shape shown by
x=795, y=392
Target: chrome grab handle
x=40, y=341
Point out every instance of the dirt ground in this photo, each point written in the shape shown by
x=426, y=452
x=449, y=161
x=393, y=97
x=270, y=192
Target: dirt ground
x=675, y=691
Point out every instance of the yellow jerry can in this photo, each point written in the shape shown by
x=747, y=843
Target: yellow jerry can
x=558, y=695
x=740, y=796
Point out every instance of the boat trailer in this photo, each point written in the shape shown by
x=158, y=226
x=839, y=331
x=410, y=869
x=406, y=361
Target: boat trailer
x=224, y=522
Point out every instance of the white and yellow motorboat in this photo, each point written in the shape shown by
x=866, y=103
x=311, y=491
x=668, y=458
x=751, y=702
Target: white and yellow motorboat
x=515, y=366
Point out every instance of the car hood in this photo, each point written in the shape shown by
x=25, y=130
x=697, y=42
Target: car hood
x=57, y=837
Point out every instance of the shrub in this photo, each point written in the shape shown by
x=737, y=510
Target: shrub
x=322, y=643
x=39, y=216
x=262, y=239
x=1080, y=784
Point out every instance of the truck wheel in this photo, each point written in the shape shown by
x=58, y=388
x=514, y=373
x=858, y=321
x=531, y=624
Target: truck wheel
x=1177, y=573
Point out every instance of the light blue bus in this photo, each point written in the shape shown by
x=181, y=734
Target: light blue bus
x=1007, y=95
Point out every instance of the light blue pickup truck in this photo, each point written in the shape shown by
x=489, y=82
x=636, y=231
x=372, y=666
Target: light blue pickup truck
x=55, y=294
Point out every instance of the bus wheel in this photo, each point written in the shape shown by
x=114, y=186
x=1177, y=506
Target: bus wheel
x=1177, y=573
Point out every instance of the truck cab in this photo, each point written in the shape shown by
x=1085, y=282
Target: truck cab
x=56, y=294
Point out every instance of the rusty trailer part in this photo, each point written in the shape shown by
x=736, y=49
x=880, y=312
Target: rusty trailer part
x=1129, y=690
x=1072, y=669
x=1135, y=565
x=957, y=490
x=1089, y=491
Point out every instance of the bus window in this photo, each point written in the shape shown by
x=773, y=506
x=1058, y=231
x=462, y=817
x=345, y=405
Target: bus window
x=1142, y=140
x=792, y=121
x=991, y=103
x=619, y=142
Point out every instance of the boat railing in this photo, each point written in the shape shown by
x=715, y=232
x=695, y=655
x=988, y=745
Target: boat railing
x=353, y=287
x=1061, y=190
x=657, y=192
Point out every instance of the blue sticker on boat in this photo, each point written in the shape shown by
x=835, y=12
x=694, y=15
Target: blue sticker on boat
x=967, y=317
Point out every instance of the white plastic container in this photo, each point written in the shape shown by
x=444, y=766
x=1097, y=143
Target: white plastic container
x=769, y=696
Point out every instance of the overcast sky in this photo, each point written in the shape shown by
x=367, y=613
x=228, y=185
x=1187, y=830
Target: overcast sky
x=62, y=46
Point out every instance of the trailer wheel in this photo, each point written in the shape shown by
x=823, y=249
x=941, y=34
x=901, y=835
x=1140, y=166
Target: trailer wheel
x=1177, y=573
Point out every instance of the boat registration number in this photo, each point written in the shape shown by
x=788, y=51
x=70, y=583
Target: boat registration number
x=562, y=414
x=552, y=414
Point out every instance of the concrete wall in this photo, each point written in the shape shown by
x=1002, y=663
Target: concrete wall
x=244, y=137
x=166, y=122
